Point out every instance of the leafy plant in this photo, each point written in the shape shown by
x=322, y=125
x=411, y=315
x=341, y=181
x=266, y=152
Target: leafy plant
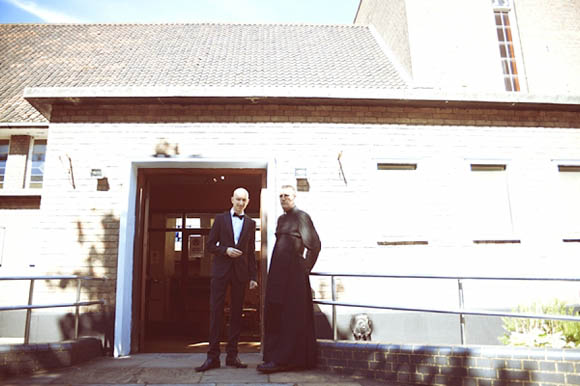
x=541, y=332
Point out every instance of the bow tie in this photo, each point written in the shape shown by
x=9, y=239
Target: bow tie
x=240, y=216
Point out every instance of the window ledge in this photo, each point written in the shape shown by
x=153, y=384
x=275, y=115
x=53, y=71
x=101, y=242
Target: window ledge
x=20, y=199
x=20, y=192
x=402, y=242
x=496, y=241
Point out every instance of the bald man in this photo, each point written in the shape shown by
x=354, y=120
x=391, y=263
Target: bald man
x=232, y=242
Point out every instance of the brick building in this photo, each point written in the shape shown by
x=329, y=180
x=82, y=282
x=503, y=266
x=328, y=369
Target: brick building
x=118, y=144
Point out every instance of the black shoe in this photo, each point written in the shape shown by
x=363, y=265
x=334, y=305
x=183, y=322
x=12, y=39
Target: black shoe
x=236, y=362
x=271, y=367
x=208, y=364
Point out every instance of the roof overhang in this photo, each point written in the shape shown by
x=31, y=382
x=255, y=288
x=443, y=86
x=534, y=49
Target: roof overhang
x=43, y=98
x=35, y=129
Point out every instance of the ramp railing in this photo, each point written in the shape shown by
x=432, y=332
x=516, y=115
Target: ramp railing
x=460, y=310
x=29, y=307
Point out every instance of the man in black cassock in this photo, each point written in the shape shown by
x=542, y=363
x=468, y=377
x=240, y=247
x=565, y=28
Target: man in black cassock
x=289, y=338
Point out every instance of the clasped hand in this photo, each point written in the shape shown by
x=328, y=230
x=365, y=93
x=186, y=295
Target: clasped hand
x=233, y=252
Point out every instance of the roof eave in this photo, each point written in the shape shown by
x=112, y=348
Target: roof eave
x=43, y=98
x=23, y=125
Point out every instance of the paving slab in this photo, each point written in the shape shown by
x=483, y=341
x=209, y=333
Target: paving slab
x=179, y=369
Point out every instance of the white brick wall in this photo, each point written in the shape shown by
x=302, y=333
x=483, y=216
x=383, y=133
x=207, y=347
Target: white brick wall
x=550, y=39
x=340, y=211
x=453, y=45
x=78, y=227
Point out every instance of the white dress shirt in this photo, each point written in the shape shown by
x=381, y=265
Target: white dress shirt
x=237, y=224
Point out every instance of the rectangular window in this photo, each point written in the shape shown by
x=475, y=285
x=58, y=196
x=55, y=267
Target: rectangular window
x=37, y=163
x=506, y=49
x=489, y=211
x=400, y=195
x=396, y=166
x=487, y=167
x=4, y=147
x=569, y=216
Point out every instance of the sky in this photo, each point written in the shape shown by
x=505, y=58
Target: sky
x=178, y=11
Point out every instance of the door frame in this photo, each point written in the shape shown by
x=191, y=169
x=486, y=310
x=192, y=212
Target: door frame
x=129, y=226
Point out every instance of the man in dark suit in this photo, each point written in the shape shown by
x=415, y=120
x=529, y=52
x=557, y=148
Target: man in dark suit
x=232, y=242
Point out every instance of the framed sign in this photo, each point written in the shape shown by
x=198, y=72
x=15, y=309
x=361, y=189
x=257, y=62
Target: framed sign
x=196, y=246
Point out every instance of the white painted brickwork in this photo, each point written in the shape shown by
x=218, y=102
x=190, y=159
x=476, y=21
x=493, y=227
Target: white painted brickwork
x=550, y=39
x=79, y=226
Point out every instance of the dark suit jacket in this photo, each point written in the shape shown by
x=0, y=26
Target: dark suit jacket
x=221, y=237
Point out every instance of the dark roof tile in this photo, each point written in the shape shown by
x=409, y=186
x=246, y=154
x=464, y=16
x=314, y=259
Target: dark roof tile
x=186, y=55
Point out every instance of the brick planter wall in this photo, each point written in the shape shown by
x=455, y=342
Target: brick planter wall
x=20, y=359
x=451, y=365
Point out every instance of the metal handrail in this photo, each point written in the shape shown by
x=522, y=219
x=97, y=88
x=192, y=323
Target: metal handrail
x=48, y=277
x=61, y=305
x=461, y=311
x=444, y=277
x=29, y=307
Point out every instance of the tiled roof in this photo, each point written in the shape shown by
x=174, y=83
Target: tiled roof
x=186, y=55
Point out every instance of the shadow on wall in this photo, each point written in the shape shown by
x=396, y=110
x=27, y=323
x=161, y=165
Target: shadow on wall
x=98, y=321
x=321, y=325
x=93, y=324
x=439, y=366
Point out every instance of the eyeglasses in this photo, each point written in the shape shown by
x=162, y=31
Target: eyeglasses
x=285, y=196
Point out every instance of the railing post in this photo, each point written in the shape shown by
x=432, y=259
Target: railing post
x=461, y=316
x=334, y=327
x=79, y=280
x=28, y=313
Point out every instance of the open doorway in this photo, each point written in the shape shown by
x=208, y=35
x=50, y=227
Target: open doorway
x=173, y=276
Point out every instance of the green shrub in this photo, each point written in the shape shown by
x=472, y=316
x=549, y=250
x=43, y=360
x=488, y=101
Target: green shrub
x=540, y=332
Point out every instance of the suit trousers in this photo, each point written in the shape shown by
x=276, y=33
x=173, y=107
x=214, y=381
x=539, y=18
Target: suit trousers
x=218, y=292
